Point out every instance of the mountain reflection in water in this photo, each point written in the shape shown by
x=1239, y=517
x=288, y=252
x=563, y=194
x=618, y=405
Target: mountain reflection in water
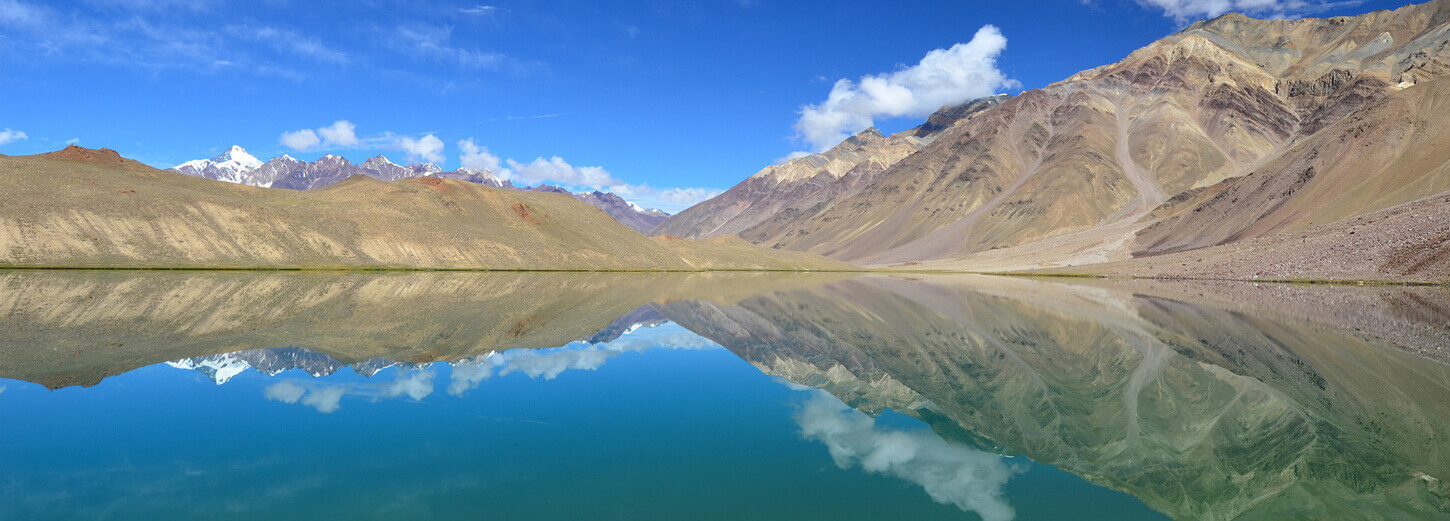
x=1225, y=401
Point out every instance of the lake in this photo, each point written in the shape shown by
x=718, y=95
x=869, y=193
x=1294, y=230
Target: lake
x=254, y=395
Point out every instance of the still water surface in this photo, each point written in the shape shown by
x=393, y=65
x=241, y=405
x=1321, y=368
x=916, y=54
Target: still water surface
x=505, y=396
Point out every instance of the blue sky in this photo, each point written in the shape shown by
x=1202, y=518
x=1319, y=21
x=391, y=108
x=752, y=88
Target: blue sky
x=666, y=102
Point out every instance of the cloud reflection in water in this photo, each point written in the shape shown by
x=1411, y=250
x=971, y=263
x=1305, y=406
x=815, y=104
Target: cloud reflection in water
x=953, y=474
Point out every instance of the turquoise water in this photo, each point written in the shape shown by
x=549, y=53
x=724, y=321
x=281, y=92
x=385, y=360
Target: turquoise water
x=633, y=429
x=197, y=395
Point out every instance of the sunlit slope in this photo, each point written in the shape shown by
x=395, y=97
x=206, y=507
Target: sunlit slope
x=81, y=207
x=1392, y=152
x=1067, y=174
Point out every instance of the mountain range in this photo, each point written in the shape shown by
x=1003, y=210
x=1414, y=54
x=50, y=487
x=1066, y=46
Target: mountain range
x=235, y=165
x=1231, y=130
x=81, y=207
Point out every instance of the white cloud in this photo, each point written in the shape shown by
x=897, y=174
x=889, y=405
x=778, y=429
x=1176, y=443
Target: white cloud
x=477, y=157
x=435, y=44
x=1185, y=11
x=667, y=199
x=328, y=398
x=556, y=169
x=285, y=391
x=416, y=386
x=300, y=139
x=951, y=76
x=289, y=41
x=550, y=363
x=325, y=399
x=952, y=474
x=793, y=155
x=479, y=9
x=427, y=148
x=343, y=134
x=340, y=133
x=73, y=141
x=16, y=13
x=11, y=136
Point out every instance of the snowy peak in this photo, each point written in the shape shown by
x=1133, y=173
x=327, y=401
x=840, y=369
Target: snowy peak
x=238, y=157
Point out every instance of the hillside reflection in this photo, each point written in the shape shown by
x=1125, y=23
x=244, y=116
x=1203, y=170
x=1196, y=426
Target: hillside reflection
x=1231, y=401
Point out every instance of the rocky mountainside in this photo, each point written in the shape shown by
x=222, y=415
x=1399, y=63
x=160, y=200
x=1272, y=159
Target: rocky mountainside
x=629, y=214
x=773, y=202
x=237, y=166
x=221, y=368
x=1231, y=129
x=81, y=207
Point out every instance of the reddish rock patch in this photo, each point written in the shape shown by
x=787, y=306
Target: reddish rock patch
x=525, y=212
x=104, y=156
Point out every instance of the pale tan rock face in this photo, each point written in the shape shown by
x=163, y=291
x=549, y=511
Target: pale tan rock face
x=1094, y=155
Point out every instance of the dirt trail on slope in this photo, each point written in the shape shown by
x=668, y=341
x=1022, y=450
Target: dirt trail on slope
x=1150, y=195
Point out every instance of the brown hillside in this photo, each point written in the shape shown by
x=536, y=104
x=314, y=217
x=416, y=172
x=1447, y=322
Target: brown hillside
x=80, y=207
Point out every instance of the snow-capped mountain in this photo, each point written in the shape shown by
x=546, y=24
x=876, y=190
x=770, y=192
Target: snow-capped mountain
x=627, y=213
x=232, y=166
x=223, y=367
x=237, y=166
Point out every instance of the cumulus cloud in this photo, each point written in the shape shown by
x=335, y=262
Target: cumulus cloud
x=968, y=478
x=325, y=399
x=427, y=148
x=300, y=139
x=328, y=398
x=285, y=391
x=556, y=169
x=11, y=136
x=670, y=199
x=951, y=76
x=416, y=386
x=550, y=363
x=340, y=133
x=477, y=157
x=343, y=134
x=1185, y=11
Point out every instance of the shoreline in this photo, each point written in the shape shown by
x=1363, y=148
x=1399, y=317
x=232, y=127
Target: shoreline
x=1012, y=274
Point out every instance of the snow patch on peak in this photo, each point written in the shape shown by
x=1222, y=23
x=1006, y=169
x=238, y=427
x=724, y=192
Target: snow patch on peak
x=236, y=158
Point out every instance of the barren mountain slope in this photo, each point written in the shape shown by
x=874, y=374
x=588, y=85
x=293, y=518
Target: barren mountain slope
x=1105, y=147
x=1389, y=153
x=80, y=207
x=773, y=201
